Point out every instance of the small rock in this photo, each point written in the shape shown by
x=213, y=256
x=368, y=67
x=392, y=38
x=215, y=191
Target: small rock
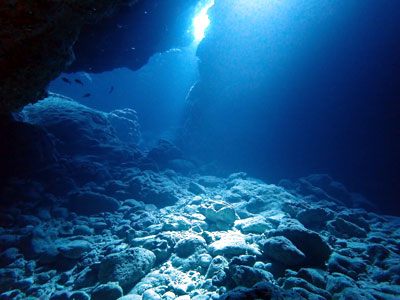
x=313, y=276
x=74, y=249
x=337, y=282
x=150, y=295
x=79, y=295
x=109, y=291
x=196, y=188
x=131, y=297
x=205, y=260
x=244, y=260
x=60, y=295
x=83, y=230
x=256, y=225
x=189, y=245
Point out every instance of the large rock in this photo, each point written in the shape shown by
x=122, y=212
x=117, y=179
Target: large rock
x=282, y=250
x=79, y=130
x=151, y=187
x=345, y=229
x=232, y=245
x=337, y=282
x=294, y=282
x=74, y=249
x=126, y=125
x=346, y=265
x=247, y=276
x=164, y=151
x=126, y=267
x=189, y=245
x=316, y=250
x=257, y=225
x=217, y=270
x=221, y=214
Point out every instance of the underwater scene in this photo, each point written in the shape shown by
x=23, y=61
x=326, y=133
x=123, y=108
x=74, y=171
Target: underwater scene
x=200, y=149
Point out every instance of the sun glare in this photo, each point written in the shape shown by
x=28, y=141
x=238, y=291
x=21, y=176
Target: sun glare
x=201, y=21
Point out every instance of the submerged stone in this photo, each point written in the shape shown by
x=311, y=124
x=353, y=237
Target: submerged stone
x=126, y=267
x=232, y=245
x=282, y=250
x=109, y=291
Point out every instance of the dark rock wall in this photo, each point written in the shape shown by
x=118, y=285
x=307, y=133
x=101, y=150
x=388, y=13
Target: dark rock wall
x=36, y=44
x=40, y=39
x=131, y=36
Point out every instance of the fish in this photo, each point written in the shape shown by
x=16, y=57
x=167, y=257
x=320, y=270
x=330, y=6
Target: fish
x=78, y=81
x=66, y=80
x=111, y=89
x=86, y=95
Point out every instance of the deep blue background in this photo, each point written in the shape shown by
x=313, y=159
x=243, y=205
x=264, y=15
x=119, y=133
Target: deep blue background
x=300, y=87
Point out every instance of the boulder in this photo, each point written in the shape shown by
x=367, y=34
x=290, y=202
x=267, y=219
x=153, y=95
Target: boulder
x=154, y=188
x=217, y=270
x=337, y=282
x=196, y=188
x=345, y=229
x=309, y=242
x=126, y=267
x=316, y=277
x=189, y=245
x=221, y=214
x=79, y=130
x=257, y=225
x=282, y=250
x=349, y=266
x=232, y=245
x=126, y=125
x=293, y=282
x=164, y=151
x=247, y=276
x=74, y=249
x=314, y=217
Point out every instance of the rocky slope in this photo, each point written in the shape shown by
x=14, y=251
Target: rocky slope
x=104, y=220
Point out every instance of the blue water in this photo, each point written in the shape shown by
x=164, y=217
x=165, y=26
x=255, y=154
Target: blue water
x=286, y=89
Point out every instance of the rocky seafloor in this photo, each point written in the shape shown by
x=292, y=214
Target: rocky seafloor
x=88, y=215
